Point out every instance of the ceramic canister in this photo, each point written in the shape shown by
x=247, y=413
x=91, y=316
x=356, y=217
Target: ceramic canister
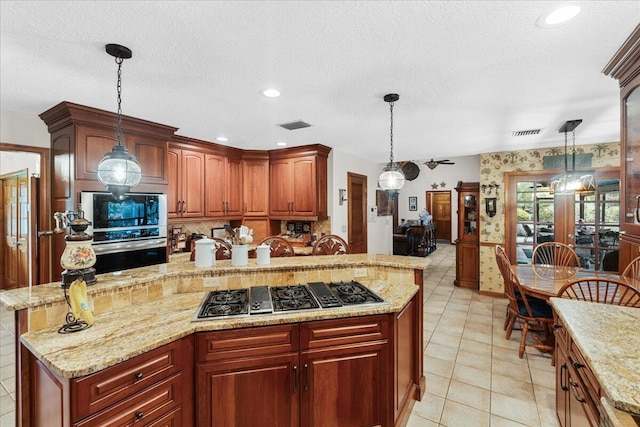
x=205, y=253
x=263, y=254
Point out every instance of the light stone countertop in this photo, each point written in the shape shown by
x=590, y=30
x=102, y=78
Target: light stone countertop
x=608, y=337
x=122, y=334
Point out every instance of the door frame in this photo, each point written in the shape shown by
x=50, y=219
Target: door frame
x=351, y=177
x=41, y=265
x=429, y=207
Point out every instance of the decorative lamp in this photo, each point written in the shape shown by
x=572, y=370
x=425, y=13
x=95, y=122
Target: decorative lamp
x=574, y=181
x=119, y=170
x=392, y=178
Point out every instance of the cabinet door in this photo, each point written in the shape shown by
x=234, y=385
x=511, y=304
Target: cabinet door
x=152, y=156
x=233, y=187
x=249, y=392
x=192, y=184
x=344, y=386
x=215, y=179
x=256, y=187
x=467, y=265
x=304, y=198
x=562, y=387
x=91, y=145
x=280, y=187
x=174, y=176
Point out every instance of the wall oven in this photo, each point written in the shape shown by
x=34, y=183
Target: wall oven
x=127, y=233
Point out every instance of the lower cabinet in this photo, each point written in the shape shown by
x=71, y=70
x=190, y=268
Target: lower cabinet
x=577, y=391
x=324, y=373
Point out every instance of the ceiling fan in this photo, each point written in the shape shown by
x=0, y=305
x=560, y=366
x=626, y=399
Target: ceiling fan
x=432, y=164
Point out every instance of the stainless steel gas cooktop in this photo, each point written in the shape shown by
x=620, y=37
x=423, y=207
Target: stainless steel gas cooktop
x=277, y=299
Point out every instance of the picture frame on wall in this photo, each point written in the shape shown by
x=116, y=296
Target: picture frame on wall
x=413, y=203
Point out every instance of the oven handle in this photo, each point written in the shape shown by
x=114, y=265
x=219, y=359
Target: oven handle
x=108, y=248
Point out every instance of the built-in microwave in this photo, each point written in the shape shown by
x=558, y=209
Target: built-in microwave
x=134, y=225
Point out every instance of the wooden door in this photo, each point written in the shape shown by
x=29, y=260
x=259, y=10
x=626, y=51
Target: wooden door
x=357, y=213
x=256, y=187
x=214, y=189
x=16, y=250
x=249, y=392
x=439, y=205
x=303, y=170
x=280, y=187
x=344, y=386
x=192, y=184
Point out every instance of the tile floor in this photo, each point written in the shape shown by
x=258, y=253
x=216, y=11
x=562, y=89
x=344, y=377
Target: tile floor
x=474, y=375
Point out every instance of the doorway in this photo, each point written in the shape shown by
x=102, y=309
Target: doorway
x=439, y=206
x=357, y=212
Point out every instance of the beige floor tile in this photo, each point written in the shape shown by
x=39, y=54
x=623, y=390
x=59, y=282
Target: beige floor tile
x=510, y=386
x=517, y=368
x=545, y=396
x=455, y=414
x=541, y=361
x=476, y=377
x=474, y=360
x=7, y=405
x=484, y=337
x=418, y=421
x=430, y=407
x=438, y=366
x=497, y=421
x=473, y=346
x=441, y=351
x=445, y=340
x=469, y=395
x=453, y=331
x=437, y=385
x=548, y=417
x=524, y=412
x=543, y=378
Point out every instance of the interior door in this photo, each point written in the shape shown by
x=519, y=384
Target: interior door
x=439, y=205
x=357, y=212
x=16, y=245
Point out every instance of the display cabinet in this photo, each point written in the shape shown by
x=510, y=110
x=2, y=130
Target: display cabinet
x=468, y=243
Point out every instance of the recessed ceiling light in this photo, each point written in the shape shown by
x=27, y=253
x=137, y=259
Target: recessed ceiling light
x=281, y=144
x=222, y=139
x=271, y=93
x=559, y=15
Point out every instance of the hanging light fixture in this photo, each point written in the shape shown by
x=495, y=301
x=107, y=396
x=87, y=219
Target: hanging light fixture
x=119, y=170
x=574, y=181
x=392, y=178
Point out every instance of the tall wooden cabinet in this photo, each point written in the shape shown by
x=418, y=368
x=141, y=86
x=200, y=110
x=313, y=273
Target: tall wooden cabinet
x=223, y=177
x=625, y=67
x=185, y=195
x=468, y=242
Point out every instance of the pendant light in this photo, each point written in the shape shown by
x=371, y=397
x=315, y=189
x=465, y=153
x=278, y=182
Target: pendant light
x=574, y=181
x=392, y=178
x=119, y=170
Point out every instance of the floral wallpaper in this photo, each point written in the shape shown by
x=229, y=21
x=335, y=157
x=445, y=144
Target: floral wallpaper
x=493, y=166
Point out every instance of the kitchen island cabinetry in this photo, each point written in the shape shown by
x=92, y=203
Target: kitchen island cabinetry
x=223, y=194
x=185, y=195
x=298, y=183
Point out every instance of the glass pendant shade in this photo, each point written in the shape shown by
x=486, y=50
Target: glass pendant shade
x=119, y=171
x=392, y=179
x=577, y=181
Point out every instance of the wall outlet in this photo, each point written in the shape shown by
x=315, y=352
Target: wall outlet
x=210, y=282
x=360, y=272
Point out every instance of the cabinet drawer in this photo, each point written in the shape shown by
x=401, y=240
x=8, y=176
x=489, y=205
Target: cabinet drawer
x=250, y=342
x=95, y=392
x=327, y=333
x=560, y=332
x=147, y=408
x=585, y=373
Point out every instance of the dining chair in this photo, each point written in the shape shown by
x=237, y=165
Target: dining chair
x=278, y=247
x=503, y=262
x=534, y=314
x=555, y=260
x=223, y=248
x=633, y=269
x=605, y=290
x=330, y=244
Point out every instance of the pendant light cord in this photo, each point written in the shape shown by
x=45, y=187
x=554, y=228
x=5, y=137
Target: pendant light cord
x=573, y=152
x=119, y=61
x=391, y=131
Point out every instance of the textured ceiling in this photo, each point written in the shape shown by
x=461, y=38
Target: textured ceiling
x=468, y=73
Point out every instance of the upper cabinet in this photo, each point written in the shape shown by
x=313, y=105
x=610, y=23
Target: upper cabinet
x=625, y=67
x=298, y=182
x=255, y=182
x=185, y=195
x=223, y=177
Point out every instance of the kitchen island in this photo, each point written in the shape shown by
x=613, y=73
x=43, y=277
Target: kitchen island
x=597, y=363
x=145, y=359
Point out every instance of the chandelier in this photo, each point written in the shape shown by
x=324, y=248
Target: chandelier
x=574, y=181
x=392, y=178
x=119, y=170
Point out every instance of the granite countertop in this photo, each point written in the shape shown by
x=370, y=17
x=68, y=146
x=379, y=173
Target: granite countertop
x=608, y=337
x=122, y=334
x=180, y=266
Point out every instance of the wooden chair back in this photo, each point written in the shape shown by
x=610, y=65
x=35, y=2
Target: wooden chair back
x=603, y=290
x=554, y=260
x=330, y=244
x=633, y=269
x=278, y=247
x=223, y=248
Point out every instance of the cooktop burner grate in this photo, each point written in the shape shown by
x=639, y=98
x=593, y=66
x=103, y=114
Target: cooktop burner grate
x=225, y=303
x=297, y=297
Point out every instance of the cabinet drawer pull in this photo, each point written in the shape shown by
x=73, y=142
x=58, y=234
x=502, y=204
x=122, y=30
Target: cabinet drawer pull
x=138, y=376
x=139, y=415
x=295, y=378
x=562, y=376
x=578, y=365
x=306, y=377
x=575, y=386
x=557, y=326
x=184, y=206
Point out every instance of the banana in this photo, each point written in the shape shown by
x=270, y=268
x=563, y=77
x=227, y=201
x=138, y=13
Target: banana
x=78, y=297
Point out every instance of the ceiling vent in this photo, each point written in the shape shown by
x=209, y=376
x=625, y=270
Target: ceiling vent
x=295, y=125
x=528, y=132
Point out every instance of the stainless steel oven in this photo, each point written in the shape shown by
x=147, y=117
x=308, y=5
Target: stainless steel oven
x=127, y=233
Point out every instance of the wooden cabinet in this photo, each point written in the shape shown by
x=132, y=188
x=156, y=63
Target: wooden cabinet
x=577, y=389
x=298, y=182
x=185, y=195
x=223, y=177
x=625, y=67
x=468, y=242
x=255, y=182
x=155, y=388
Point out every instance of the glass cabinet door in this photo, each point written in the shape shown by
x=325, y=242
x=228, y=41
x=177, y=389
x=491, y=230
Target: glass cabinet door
x=631, y=165
x=470, y=213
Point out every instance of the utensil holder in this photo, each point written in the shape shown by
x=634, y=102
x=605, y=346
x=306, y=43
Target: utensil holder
x=239, y=255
